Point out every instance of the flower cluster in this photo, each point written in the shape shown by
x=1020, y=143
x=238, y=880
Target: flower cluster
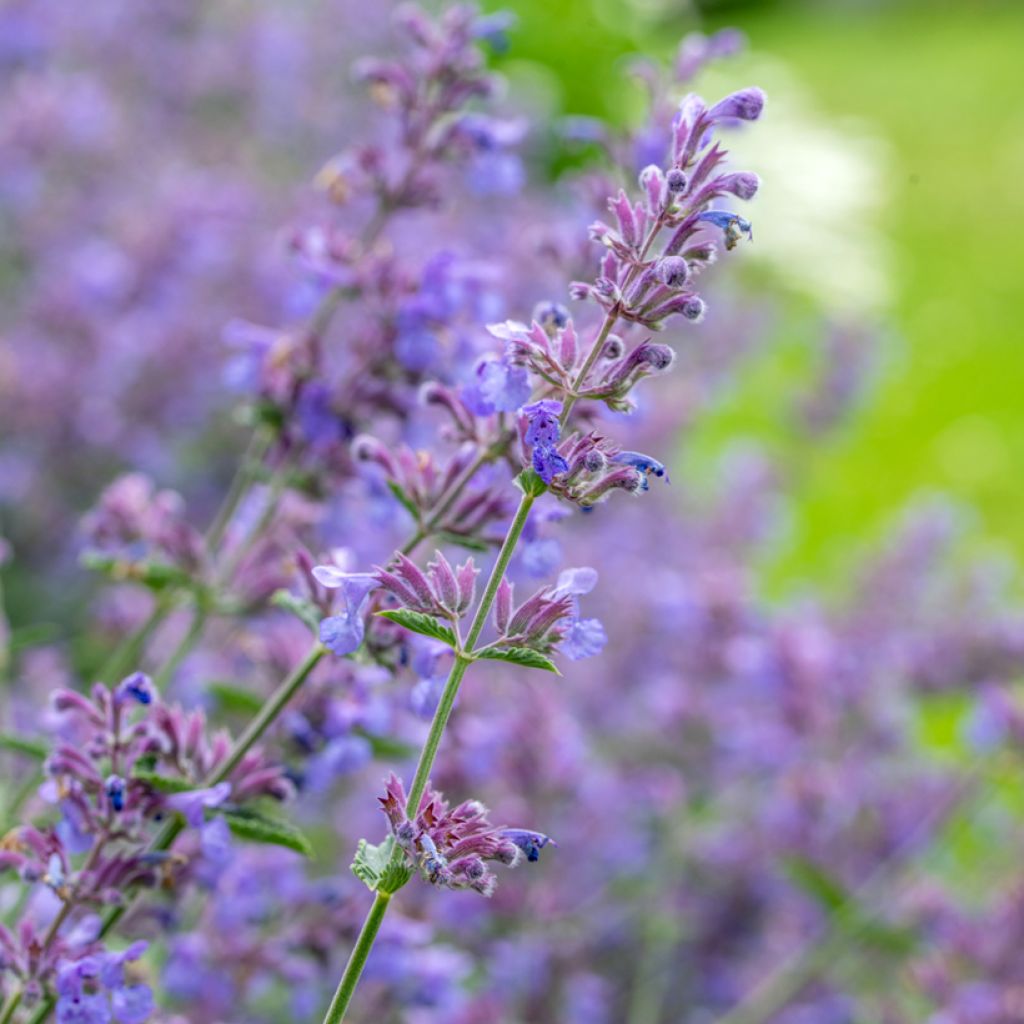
x=450, y=846
x=750, y=774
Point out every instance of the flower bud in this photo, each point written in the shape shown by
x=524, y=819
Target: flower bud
x=673, y=271
x=676, y=181
x=745, y=105
x=613, y=347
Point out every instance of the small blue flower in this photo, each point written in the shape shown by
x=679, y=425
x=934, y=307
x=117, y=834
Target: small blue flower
x=192, y=805
x=343, y=632
x=583, y=639
x=115, y=787
x=542, y=418
x=548, y=463
x=497, y=387
x=645, y=464
x=138, y=686
x=542, y=433
x=733, y=226
x=531, y=843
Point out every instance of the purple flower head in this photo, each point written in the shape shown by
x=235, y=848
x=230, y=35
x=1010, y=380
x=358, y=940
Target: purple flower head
x=497, y=387
x=541, y=434
x=451, y=846
x=645, y=464
x=531, y=843
x=542, y=422
x=343, y=632
x=732, y=225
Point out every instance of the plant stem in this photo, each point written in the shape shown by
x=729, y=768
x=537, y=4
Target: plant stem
x=12, y=1004
x=451, y=687
x=357, y=959
x=243, y=479
x=185, y=645
x=272, y=707
x=368, y=933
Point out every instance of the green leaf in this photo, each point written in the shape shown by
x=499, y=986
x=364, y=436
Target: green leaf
x=817, y=883
x=304, y=610
x=162, y=783
x=404, y=500
x=519, y=656
x=374, y=868
x=20, y=745
x=530, y=483
x=418, y=622
x=236, y=698
x=387, y=747
x=260, y=828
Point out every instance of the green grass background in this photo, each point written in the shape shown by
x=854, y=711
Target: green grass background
x=942, y=84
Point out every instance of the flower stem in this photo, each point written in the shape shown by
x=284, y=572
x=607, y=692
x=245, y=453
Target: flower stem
x=463, y=659
x=12, y=1004
x=272, y=707
x=451, y=687
x=357, y=959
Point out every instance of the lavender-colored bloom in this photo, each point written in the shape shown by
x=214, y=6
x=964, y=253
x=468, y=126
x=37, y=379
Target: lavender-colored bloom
x=193, y=804
x=644, y=463
x=583, y=638
x=531, y=843
x=733, y=226
x=497, y=387
x=343, y=632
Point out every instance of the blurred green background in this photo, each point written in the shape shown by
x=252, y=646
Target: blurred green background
x=892, y=154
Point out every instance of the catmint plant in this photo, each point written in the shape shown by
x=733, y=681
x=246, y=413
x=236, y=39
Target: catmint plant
x=453, y=429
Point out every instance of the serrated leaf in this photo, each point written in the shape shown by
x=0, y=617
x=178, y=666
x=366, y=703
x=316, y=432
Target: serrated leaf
x=519, y=656
x=418, y=622
x=470, y=543
x=374, y=868
x=387, y=746
x=260, y=828
x=19, y=745
x=236, y=698
x=162, y=783
x=404, y=500
x=530, y=483
x=302, y=609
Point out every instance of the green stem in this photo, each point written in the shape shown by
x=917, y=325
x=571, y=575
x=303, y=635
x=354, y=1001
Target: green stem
x=244, y=477
x=368, y=933
x=462, y=662
x=357, y=959
x=185, y=645
x=12, y=1004
x=272, y=707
